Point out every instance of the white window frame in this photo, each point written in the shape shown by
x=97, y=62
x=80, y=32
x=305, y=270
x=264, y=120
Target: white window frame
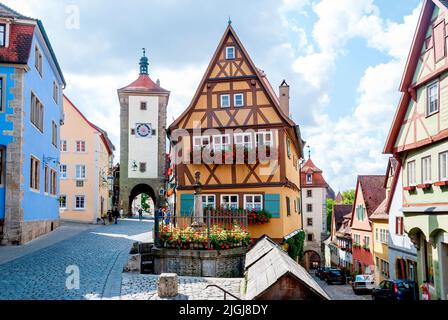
x=66, y=203
x=76, y=172
x=411, y=173
x=207, y=203
x=309, y=181
x=35, y=175
x=65, y=144
x=264, y=134
x=429, y=98
x=81, y=142
x=202, y=139
x=248, y=144
x=3, y=25
x=76, y=203
x=426, y=170
x=230, y=204
x=227, y=96
x=230, y=49
x=443, y=167
x=252, y=203
x=63, y=174
x=238, y=105
x=221, y=145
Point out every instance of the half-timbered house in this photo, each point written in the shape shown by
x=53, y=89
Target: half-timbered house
x=235, y=111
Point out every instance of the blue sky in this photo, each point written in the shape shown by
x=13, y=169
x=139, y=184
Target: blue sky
x=342, y=58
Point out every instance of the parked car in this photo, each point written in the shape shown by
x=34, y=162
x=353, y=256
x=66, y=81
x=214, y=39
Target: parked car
x=396, y=290
x=363, y=283
x=336, y=276
x=322, y=272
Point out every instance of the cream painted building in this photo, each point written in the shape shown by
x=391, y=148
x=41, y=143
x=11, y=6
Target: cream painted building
x=85, y=167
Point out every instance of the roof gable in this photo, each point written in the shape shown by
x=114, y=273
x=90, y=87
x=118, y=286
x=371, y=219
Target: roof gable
x=220, y=70
x=318, y=180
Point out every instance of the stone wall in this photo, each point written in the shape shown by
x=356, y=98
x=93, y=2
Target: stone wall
x=196, y=263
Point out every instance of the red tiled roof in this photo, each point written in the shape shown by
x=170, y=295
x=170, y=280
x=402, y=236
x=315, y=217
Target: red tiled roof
x=373, y=191
x=144, y=84
x=20, y=40
x=340, y=211
x=318, y=179
x=339, y=198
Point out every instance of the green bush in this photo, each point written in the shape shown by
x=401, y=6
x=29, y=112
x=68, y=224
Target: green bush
x=295, y=246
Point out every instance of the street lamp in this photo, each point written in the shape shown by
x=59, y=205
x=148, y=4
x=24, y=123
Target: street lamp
x=134, y=166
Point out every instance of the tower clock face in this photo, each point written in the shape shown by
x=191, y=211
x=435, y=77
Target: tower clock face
x=143, y=130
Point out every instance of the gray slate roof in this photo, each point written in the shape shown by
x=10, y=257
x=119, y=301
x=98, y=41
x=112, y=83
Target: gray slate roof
x=266, y=263
x=7, y=12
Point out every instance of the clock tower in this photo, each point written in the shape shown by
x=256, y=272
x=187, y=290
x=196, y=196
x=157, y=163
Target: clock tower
x=143, y=107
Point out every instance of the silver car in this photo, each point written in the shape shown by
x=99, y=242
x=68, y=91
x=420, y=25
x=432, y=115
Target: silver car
x=364, y=283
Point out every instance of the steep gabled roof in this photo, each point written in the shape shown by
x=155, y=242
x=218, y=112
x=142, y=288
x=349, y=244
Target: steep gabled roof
x=318, y=179
x=410, y=68
x=339, y=198
x=373, y=191
x=103, y=134
x=7, y=12
x=143, y=84
x=262, y=78
x=381, y=212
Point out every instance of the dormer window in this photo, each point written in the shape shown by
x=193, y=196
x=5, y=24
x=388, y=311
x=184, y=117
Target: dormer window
x=309, y=178
x=2, y=35
x=230, y=53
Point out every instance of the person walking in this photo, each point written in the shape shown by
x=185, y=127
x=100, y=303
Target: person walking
x=140, y=214
x=116, y=215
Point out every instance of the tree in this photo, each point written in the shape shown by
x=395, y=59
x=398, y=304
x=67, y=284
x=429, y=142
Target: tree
x=330, y=204
x=145, y=202
x=349, y=197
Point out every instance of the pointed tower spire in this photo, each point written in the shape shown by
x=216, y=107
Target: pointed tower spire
x=144, y=64
x=309, y=152
x=230, y=21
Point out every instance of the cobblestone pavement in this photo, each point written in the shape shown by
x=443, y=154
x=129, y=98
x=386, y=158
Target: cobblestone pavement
x=100, y=254
x=144, y=287
x=340, y=292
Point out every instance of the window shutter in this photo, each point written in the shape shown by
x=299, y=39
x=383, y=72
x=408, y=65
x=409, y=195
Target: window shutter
x=186, y=204
x=402, y=225
x=272, y=204
x=439, y=41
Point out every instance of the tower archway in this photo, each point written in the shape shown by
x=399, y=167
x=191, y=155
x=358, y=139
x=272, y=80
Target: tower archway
x=138, y=194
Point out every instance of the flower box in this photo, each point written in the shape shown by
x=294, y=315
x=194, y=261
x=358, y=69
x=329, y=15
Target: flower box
x=441, y=183
x=410, y=188
x=424, y=186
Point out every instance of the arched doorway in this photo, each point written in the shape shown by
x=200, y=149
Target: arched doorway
x=142, y=197
x=311, y=260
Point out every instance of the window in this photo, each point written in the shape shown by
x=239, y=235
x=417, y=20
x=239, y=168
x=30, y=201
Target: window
x=2, y=35
x=309, y=208
x=439, y=41
x=225, y=101
x=55, y=92
x=429, y=269
x=37, y=113
x=253, y=202
x=385, y=268
x=264, y=139
x=63, y=146
x=443, y=166
x=1, y=93
x=426, y=170
x=53, y=182
x=288, y=148
x=80, y=146
x=360, y=213
x=377, y=237
x=63, y=170
x=411, y=174
x=79, y=183
x=2, y=166
x=143, y=106
x=142, y=167
x=208, y=201
x=309, y=222
x=80, y=172
x=309, y=193
x=199, y=142
x=54, y=133
x=63, y=201
x=80, y=202
x=230, y=53
x=399, y=226
x=238, y=100
x=433, y=99
x=384, y=236
x=38, y=60
x=221, y=142
x=46, y=179
x=34, y=174
x=288, y=206
x=357, y=239
x=243, y=139
x=366, y=242
x=310, y=237
x=309, y=178
x=230, y=201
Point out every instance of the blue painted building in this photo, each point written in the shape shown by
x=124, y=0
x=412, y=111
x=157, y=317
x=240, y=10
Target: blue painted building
x=31, y=84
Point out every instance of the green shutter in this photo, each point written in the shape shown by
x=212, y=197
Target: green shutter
x=186, y=204
x=272, y=204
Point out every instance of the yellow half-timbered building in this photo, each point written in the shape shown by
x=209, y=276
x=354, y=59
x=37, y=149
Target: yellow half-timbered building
x=237, y=119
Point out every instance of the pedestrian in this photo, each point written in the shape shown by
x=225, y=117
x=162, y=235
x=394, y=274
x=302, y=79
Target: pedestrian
x=140, y=214
x=116, y=215
x=121, y=213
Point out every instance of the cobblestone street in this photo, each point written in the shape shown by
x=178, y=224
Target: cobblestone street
x=144, y=287
x=38, y=272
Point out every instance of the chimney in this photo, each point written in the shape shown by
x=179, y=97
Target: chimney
x=284, y=97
